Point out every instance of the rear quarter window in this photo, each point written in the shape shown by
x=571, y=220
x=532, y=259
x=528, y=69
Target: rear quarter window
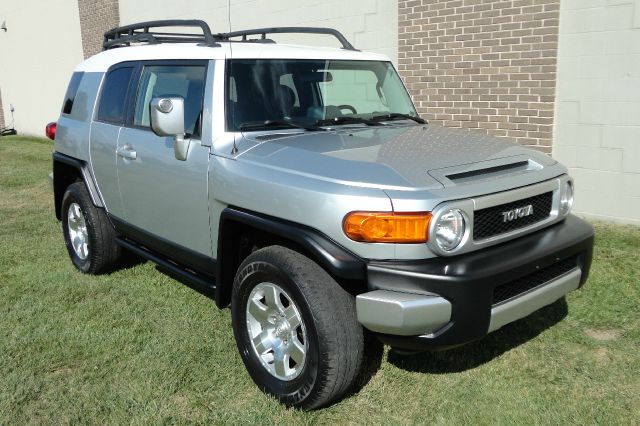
x=111, y=107
x=72, y=90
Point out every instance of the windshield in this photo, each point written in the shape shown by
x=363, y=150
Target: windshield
x=301, y=93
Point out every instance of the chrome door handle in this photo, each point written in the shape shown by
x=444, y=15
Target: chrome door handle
x=127, y=152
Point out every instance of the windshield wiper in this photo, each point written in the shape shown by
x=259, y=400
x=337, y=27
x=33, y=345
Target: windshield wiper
x=256, y=125
x=397, y=116
x=347, y=120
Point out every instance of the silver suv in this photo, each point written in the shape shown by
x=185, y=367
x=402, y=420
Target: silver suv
x=299, y=187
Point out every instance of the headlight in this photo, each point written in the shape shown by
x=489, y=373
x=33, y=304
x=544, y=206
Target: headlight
x=566, y=199
x=449, y=230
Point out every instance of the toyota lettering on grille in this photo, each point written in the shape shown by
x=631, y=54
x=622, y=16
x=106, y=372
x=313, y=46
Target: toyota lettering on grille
x=517, y=213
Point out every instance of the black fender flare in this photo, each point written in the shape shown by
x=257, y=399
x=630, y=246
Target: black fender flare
x=61, y=164
x=337, y=260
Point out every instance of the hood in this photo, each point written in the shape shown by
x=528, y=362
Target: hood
x=413, y=157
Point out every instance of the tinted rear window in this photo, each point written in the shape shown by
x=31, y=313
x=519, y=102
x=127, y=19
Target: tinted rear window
x=72, y=89
x=113, y=97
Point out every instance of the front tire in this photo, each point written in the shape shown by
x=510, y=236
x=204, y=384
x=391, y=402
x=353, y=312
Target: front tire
x=88, y=233
x=296, y=328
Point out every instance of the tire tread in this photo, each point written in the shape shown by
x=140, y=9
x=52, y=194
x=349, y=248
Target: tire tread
x=333, y=309
x=104, y=252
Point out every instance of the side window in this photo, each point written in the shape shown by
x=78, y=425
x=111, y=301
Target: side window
x=113, y=96
x=185, y=81
x=72, y=89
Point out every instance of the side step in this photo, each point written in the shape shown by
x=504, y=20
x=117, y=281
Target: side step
x=198, y=282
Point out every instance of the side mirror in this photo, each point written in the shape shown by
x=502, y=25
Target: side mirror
x=167, y=119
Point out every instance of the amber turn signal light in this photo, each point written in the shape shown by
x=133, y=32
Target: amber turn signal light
x=387, y=227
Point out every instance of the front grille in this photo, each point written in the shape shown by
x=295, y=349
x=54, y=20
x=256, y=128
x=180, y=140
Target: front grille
x=524, y=284
x=490, y=222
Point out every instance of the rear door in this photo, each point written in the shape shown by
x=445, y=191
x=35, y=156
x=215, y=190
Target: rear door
x=108, y=120
x=165, y=199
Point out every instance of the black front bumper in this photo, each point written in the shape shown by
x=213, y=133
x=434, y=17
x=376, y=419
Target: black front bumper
x=468, y=281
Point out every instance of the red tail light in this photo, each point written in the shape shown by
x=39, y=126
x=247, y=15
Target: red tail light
x=50, y=130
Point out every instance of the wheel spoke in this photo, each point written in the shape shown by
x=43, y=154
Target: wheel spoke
x=272, y=297
x=292, y=316
x=73, y=220
x=77, y=243
x=297, y=351
x=258, y=311
x=280, y=365
x=83, y=251
x=262, y=342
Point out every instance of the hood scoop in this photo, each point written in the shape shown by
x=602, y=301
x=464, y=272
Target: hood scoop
x=485, y=170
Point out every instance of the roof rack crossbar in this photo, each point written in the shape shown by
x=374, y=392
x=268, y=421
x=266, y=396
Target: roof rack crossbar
x=141, y=33
x=290, y=30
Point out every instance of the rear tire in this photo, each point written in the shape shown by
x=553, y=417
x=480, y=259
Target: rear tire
x=88, y=233
x=325, y=329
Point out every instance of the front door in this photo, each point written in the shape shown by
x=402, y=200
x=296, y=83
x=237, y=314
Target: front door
x=165, y=199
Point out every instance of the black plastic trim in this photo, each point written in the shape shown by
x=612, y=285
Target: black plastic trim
x=337, y=259
x=83, y=170
x=468, y=281
x=141, y=33
x=290, y=30
x=504, y=168
x=204, y=285
x=183, y=256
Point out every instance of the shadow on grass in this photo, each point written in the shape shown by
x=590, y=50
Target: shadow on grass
x=482, y=351
x=131, y=260
x=206, y=292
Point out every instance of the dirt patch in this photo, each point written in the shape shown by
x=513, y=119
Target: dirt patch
x=604, y=334
x=602, y=355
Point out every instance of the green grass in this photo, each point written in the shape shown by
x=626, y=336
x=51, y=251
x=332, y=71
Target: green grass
x=135, y=346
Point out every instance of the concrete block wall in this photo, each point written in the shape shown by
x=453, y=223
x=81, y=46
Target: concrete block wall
x=483, y=64
x=597, y=131
x=368, y=24
x=2, y=124
x=40, y=49
x=36, y=77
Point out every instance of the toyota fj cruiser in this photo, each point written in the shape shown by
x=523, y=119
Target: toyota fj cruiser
x=299, y=186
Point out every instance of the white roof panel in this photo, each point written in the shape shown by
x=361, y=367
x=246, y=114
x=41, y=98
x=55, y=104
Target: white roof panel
x=102, y=61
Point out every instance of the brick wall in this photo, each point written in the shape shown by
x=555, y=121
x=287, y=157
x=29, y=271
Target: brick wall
x=1, y=112
x=484, y=64
x=96, y=16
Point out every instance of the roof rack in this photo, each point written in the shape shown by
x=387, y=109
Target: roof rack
x=140, y=33
x=289, y=30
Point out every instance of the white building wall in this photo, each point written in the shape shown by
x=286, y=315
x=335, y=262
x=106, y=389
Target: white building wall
x=370, y=25
x=38, y=53
x=597, y=133
x=43, y=42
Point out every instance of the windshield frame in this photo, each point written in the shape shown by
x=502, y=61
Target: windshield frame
x=228, y=120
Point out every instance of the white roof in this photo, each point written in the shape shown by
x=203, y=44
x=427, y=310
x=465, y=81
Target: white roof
x=102, y=61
